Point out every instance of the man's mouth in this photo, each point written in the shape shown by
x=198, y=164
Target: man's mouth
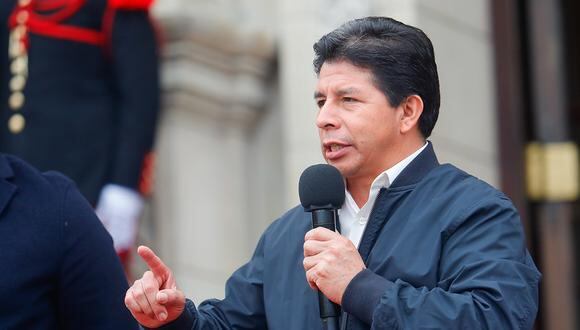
x=335, y=150
x=335, y=147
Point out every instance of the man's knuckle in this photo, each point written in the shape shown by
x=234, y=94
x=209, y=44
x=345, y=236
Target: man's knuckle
x=332, y=251
x=330, y=258
x=138, y=294
x=149, y=289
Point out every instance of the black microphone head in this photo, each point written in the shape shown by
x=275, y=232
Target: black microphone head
x=321, y=186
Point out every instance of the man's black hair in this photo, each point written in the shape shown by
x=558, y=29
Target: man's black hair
x=399, y=56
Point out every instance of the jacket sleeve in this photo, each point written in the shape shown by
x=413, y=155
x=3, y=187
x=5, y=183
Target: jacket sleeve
x=487, y=280
x=135, y=60
x=243, y=306
x=91, y=282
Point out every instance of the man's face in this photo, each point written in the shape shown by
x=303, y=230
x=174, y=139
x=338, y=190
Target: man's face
x=358, y=127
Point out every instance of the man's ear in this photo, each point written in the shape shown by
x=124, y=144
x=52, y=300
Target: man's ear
x=412, y=108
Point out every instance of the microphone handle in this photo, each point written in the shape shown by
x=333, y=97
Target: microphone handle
x=327, y=308
x=329, y=311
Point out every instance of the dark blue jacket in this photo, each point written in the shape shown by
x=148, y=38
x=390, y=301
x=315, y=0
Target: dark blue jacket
x=90, y=109
x=443, y=250
x=58, y=266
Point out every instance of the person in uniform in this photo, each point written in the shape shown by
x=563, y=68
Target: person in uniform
x=80, y=94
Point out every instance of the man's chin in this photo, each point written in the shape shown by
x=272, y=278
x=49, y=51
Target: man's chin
x=342, y=168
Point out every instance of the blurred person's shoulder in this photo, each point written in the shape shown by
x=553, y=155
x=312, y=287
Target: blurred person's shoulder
x=35, y=212
x=29, y=180
x=32, y=197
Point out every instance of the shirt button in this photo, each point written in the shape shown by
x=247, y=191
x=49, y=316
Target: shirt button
x=362, y=220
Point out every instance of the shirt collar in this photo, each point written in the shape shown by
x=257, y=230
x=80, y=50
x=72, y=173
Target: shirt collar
x=385, y=179
x=393, y=172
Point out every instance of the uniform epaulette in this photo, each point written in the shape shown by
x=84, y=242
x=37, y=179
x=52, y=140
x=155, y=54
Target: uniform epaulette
x=131, y=4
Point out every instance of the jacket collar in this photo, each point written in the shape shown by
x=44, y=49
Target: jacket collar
x=5, y=168
x=418, y=168
x=7, y=188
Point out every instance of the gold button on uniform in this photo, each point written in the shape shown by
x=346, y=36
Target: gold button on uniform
x=15, y=47
x=16, y=123
x=17, y=83
x=16, y=100
x=18, y=32
x=19, y=65
x=22, y=17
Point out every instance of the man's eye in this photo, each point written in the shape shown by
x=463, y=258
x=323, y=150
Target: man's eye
x=348, y=99
x=320, y=103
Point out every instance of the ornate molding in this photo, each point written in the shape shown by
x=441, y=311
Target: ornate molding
x=215, y=68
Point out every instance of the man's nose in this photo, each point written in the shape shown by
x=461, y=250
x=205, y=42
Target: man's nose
x=328, y=117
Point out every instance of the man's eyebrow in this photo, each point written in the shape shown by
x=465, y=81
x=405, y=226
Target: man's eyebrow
x=340, y=92
x=349, y=90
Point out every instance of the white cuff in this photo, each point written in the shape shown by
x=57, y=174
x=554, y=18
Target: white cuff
x=119, y=208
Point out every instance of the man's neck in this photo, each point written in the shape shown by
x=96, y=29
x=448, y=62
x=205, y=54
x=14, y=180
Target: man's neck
x=359, y=190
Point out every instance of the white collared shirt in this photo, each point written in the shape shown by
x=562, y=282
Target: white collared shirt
x=353, y=220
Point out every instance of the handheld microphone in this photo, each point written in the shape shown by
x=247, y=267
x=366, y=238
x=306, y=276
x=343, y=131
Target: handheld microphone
x=321, y=190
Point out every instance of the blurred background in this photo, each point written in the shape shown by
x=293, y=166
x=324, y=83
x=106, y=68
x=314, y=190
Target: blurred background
x=237, y=123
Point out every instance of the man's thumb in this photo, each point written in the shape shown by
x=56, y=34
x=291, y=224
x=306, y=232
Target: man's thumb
x=171, y=297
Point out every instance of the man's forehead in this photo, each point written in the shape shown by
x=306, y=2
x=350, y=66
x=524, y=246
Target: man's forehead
x=343, y=64
x=342, y=84
x=343, y=70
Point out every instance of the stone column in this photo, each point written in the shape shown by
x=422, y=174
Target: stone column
x=215, y=77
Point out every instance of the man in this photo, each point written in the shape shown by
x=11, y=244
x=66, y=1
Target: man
x=79, y=93
x=437, y=248
x=59, y=268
